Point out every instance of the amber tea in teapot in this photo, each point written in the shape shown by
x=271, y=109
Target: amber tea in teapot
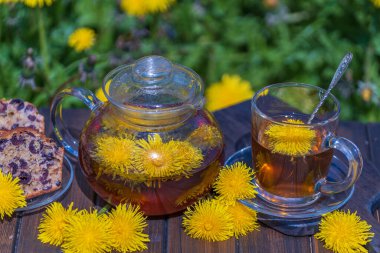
x=152, y=143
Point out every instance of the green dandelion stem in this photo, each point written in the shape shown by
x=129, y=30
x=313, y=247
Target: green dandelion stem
x=43, y=43
x=105, y=209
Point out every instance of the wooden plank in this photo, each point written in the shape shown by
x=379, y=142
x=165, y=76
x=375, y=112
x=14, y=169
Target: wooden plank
x=367, y=185
x=352, y=131
x=178, y=241
x=374, y=143
x=82, y=196
x=357, y=133
x=80, y=193
x=157, y=235
x=7, y=234
x=269, y=240
x=235, y=122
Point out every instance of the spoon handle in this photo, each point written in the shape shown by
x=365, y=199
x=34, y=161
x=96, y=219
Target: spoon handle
x=338, y=74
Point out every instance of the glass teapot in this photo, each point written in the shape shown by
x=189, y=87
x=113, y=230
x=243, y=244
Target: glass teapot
x=152, y=143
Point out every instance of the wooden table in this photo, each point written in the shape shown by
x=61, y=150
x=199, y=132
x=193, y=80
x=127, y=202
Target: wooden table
x=19, y=234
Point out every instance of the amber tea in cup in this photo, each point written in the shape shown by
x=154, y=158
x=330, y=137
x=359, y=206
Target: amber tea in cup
x=292, y=158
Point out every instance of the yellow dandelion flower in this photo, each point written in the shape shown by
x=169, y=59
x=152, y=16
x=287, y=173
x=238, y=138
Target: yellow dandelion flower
x=114, y=154
x=244, y=219
x=190, y=156
x=87, y=232
x=290, y=139
x=100, y=94
x=344, y=232
x=235, y=182
x=367, y=93
x=206, y=136
x=134, y=8
x=376, y=3
x=264, y=93
x=127, y=228
x=229, y=91
x=38, y=3
x=158, y=5
x=157, y=159
x=11, y=195
x=144, y=7
x=81, y=39
x=208, y=220
x=53, y=223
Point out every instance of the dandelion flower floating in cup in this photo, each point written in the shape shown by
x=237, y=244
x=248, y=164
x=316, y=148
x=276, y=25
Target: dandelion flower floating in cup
x=244, y=219
x=344, y=232
x=54, y=222
x=38, y=3
x=208, y=220
x=229, y=91
x=11, y=195
x=235, y=182
x=114, y=154
x=81, y=39
x=290, y=138
x=158, y=159
x=87, y=232
x=127, y=229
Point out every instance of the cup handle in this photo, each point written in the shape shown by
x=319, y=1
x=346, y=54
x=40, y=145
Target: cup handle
x=355, y=165
x=70, y=143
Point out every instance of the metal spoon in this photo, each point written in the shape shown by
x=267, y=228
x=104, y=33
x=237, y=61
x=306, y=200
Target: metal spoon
x=338, y=74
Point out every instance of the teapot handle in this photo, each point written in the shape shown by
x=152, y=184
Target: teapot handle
x=70, y=143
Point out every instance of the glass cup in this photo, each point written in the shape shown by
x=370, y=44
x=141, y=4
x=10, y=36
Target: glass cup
x=292, y=158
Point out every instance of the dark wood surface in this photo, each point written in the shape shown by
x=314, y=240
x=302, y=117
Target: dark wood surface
x=19, y=234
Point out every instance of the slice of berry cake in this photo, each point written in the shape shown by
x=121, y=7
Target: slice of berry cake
x=16, y=113
x=32, y=157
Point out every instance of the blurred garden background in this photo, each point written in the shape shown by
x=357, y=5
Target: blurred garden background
x=236, y=46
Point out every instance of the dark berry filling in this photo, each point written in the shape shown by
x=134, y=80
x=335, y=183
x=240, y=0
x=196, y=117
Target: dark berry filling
x=48, y=156
x=46, y=187
x=14, y=167
x=24, y=177
x=20, y=103
x=2, y=144
x=44, y=175
x=23, y=163
x=3, y=107
x=17, y=141
x=35, y=147
x=31, y=117
x=29, y=108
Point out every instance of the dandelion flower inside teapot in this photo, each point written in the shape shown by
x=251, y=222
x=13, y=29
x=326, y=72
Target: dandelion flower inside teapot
x=147, y=144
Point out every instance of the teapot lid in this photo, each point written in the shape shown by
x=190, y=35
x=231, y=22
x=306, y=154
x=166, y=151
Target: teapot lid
x=153, y=83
